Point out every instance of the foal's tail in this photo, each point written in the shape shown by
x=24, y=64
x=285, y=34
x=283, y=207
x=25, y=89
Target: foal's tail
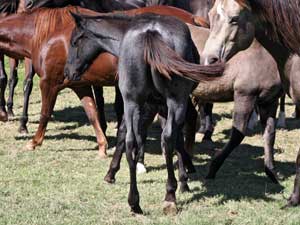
x=166, y=61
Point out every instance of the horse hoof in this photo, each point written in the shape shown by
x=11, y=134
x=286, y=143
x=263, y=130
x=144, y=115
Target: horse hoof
x=191, y=170
x=292, y=201
x=169, y=208
x=137, y=210
x=140, y=168
x=23, y=130
x=109, y=179
x=30, y=146
x=271, y=173
x=10, y=114
x=3, y=116
x=184, y=188
x=102, y=155
x=201, y=129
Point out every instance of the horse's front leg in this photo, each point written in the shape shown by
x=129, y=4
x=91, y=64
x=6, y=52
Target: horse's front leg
x=3, y=83
x=49, y=91
x=27, y=88
x=98, y=92
x=267, y=114
x=243, y=107
x=86, y=97
x=13, y=80
x=294, y=199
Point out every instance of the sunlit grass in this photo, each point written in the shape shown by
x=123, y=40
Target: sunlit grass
x=62, y=181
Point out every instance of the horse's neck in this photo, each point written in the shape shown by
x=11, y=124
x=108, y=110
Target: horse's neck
x=21, y=6
x=113, y=39
x=16, y=36
x=279, y=53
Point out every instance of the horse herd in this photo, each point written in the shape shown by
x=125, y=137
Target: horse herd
x=151, y=53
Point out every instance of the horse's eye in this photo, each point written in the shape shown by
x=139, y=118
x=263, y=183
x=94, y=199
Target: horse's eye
x=234, y=20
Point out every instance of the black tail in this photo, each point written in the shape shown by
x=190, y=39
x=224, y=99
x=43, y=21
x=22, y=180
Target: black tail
x=9, y=6
x=168, y=62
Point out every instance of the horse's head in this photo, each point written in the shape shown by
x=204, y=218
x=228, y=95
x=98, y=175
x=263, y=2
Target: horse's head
x=232, y=29
x=34, y=4
x=83, y=49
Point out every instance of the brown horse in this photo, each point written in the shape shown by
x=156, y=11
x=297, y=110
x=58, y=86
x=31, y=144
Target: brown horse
x=8, y=8
x=46, y=43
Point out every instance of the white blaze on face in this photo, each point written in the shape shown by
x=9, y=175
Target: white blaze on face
x=220, y=10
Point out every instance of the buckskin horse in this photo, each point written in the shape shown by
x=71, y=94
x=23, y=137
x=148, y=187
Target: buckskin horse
x=276, y=25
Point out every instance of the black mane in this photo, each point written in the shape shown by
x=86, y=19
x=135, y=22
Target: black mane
x=9, y=6
x=282, y=20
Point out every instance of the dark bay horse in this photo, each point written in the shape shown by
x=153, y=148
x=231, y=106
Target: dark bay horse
x=196, y=7
x=151, y=62
x=8, y=7
x=276, y=25
x=39, y=39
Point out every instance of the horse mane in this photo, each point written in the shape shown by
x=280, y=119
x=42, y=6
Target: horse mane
x=9, y=6
x=281, y=18
x=47, y=21
x=116, y=15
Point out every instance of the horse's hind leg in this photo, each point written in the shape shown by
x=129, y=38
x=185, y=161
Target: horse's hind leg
x=267, y=117
x=182, y=155
x=3, y=83
x=119, y=105
x=49, y=93
x=170, y=135
x=85, y=94
x=294, y=199
x=209, y=128
x=98, y=91
x=281, y=117
x=28, y=84
x=13, y=80
x=243, y=107
x=190, y=127
x=117, y=156
x=132, y=114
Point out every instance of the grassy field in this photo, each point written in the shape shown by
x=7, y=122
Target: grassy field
x=62, y=181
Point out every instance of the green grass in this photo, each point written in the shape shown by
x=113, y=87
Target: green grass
x=62, y=181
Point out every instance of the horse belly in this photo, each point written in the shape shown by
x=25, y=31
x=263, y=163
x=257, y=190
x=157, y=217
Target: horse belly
x=103, y=70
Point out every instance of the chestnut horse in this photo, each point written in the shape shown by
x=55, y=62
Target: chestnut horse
x=46, y=43
x=8, y=7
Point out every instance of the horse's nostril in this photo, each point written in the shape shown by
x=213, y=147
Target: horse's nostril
x=66, y=73
x=212, y=60
x=29, y=4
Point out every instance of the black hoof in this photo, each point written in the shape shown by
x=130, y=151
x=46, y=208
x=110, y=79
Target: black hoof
x=10, y=114
x=3, y=116
x=292, y=201
x=184, y=188
x=271, y=173
x=136, y=210
x=201, y=129
x=109, y=179
x=23, y=130
x=191, y=169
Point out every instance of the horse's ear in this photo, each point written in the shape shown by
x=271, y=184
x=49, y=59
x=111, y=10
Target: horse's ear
x=77, y=18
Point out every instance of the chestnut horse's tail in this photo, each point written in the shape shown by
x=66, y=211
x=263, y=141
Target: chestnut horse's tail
x=166, y=61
